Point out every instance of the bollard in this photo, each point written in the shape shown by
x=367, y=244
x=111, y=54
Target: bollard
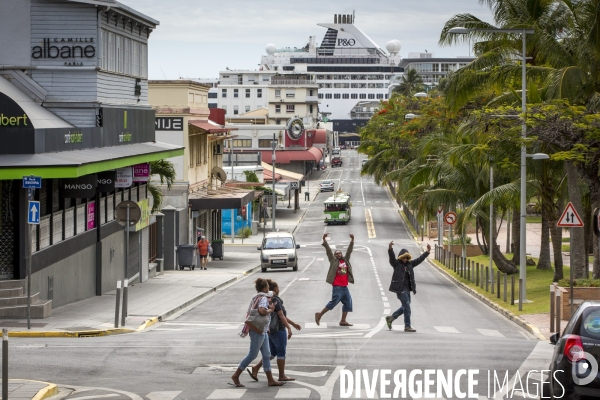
x=558, y=310
x=482, y=280
x=477, y=274
x=512, y=290
x=505, y=284
x=552, y=301
x=520, y=294
x=125, y=301
x=498, y=284
x=487, y=278
x=117, y=304
x=4, y=364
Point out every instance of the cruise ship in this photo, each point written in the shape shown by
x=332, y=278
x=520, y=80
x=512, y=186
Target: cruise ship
x=348, y=66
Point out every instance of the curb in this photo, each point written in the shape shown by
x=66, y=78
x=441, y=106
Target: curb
x=146, y=324
x=46, y=392
x=300, y=221
x=507, y=314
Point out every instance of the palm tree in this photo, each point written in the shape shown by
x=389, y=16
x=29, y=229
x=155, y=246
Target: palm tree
x=410, y=83
x=166, y=173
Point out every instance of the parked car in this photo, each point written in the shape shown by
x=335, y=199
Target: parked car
x=336, y=162
x=335, y=151
x=343, y=147
x=278, y=250
x=326, y=185
x=570, y=364
x=364, y=161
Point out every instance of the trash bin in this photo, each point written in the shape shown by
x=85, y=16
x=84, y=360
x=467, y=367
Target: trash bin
x=186, y=256
x=217, y=247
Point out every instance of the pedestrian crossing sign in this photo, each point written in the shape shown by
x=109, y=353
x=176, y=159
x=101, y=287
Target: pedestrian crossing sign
x=570, y=218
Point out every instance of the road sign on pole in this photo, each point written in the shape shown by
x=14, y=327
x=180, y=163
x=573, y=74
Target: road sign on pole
x=570, y=218
x=33, y=213
x=450, y=218
x=32, y=182
x=440, y=209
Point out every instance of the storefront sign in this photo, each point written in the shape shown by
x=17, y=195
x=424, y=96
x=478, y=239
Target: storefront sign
x=74, y=137
x=168, y=123
x=141, y=172
x=8, y=120
x=126, y=126
x=124, y=177
x=83, y=187
x=66, y=48
x=106, y=181
x=145, y=218
x=91, y=215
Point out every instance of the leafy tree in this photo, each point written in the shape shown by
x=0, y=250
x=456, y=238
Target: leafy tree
x=166, y=174
x=410, y=83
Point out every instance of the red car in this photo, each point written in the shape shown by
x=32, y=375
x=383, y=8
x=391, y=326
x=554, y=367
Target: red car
x=336, y=162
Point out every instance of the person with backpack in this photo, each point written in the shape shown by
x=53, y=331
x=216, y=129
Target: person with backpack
x=203, y=250
x=280, y=332
x=403, y=282
x=258, y=338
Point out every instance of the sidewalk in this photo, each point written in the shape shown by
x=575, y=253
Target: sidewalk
x=149, y=302
x=21, y=389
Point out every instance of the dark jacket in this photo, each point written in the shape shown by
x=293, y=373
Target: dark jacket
x=400, y=269
x=334, y=263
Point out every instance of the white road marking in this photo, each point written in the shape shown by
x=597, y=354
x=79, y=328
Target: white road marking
x=163, y=395
x=446, y=329
x=387, y=305
x=316, y=374
x=293, y=280
x=384, y=298
x=376, y=329
x=360, y=326
x=313, y=325
x=386, y=311
x=219, y=394
x=97, y=396
x=490, y=332
x=293, y=393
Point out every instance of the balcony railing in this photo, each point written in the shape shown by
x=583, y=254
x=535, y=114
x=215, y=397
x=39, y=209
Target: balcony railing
x=312, y=99
x=292, y=82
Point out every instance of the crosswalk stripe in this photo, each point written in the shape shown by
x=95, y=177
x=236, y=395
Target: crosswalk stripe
x=219, y=394
x=313, y=325
x=163, y=395
x=490, y=332
x=293, y=393
x=446, y=329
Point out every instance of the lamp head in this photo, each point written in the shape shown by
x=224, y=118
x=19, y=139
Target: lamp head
x=459, y=30
x=540, y=156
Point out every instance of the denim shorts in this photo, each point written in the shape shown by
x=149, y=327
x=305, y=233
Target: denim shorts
x=340, y=293
x=278, y=344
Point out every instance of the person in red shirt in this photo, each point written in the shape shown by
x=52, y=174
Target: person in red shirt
x=338, y=276
x=203, y=252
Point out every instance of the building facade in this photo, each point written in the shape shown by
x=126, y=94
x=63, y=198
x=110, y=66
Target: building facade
x=75, y=72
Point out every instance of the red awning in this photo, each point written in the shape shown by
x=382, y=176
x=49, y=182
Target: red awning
x=209, y=127
x=286, y=156
x=320, y=136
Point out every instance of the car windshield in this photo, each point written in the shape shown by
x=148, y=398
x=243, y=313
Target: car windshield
x=590, y=326
x=325, y=182
x=278, y=243
x=335, y=207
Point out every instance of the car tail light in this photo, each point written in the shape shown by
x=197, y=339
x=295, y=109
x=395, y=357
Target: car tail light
x=574, y=348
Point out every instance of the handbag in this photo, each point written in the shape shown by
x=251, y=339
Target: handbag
x=255, y=321
x=274, y=324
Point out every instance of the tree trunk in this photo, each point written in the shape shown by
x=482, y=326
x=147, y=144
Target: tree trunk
x=578, y=256
x=556, y=233
x=502, y=263
x=516, y=234
x=544, y=261
x=595, y=200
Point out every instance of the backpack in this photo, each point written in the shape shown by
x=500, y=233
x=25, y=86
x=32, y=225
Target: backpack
x=274, y=324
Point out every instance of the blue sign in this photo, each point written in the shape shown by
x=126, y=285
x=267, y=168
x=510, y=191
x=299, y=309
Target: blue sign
x=33, y=213
x=32, y=182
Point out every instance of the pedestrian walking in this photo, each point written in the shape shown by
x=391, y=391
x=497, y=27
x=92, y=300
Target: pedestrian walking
x=403, y=282
x=338, y=276
x=258, y=340
x=203, y=245
x=280, y=332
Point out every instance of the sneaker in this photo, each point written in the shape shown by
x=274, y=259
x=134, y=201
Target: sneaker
x=389, y=321
x=409, y=329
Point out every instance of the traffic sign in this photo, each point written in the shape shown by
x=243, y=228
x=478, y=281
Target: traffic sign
x=294, y=185
x=570, y=218
x=440, y=209
x=135, y=213
x=450, y=218
x=32, y=182
x=33, y=213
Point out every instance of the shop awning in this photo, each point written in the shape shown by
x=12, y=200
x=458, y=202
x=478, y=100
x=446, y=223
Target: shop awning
x=210, y=127
x=280, y=173
x=224, y=198
x=287, y=156
x=75, y=163
x=320, y=136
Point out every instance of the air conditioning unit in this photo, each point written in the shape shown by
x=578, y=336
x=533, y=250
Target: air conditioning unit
x=217, y=149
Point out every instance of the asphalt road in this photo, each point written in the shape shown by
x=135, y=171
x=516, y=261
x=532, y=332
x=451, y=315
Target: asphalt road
x=192, y=355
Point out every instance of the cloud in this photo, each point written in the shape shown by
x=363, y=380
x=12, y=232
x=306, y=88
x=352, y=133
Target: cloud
x=200, y=38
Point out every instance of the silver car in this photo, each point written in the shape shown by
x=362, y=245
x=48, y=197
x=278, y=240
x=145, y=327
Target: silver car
x=278, y=250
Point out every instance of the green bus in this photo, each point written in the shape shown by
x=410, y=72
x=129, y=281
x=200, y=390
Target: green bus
x=338, y=209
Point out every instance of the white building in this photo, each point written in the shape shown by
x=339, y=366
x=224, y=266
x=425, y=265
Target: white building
x=242, y=91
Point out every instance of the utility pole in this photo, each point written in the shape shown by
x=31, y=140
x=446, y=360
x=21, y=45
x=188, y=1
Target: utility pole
x=273, y=158
x=232, y=210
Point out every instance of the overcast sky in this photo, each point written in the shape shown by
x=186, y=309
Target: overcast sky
x=199, y=38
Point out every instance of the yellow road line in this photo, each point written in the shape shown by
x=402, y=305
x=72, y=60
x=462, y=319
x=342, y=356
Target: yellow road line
x=370, y=224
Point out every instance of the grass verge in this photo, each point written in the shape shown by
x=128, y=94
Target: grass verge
x=538, y=284
x=409, y=225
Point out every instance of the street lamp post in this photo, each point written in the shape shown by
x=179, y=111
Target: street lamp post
x=522, y=243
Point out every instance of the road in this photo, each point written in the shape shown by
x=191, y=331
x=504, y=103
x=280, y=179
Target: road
x=193, y=354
